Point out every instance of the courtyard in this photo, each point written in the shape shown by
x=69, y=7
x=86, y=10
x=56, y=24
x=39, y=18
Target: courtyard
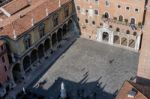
x=88, y=67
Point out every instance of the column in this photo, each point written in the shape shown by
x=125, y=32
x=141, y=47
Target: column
x=138, y=41
x=111, y=38
x=99, y=35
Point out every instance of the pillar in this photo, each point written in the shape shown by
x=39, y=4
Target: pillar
x=138, y=41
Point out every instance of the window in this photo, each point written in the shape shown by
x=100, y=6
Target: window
x=117, y=30
x=55, y=20
x=86, y=20
x=42, y=30
x=106, y=3
x=110, y=26
x=134, y=33
x=106, y=15
x=5, y=68
x=2, y=47
x=66, y=11
x=121, y=18
x=101, y=24
x=96, y=12
x=86, y=12
x=127, y=32
x=119, y=6
x=78, y=8
x=93, y=22
x=136, y=10
x=27, y=41
x=127, y=8
x=3, y=59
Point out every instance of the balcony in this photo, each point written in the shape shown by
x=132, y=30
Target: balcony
x=124, y=22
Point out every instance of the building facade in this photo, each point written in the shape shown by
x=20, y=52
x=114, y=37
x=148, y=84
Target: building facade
x=144, y=60
x=115, y=22
x=33, y=31
x=4, y=68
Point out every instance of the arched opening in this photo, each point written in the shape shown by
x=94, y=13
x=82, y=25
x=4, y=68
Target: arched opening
x=54, y=39
x=132, y=21
x=26, y=62
x=64, y=29
x=116, y=39
x=124, y=41
x=106, y=15
x=47, y=44
x=33, y=56
x=132, y=43
x=59, y=35
x=41, y=51
x=121, y=18
x=70, y=26
x=16, y=72
x=105, y=36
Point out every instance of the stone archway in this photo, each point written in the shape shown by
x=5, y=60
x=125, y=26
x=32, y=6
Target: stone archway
x=59, y=35
x=47, y=44
x=26, y=62
x=16, y=71
x=33, y=56
x=41, y=51
x=124, y=41
x=105, y=36
x=64, y=29
x=116, y=39
x=54, y=39
x=131, y=43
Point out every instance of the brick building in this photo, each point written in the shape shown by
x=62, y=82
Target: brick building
x=4, y=68
x=33, y=30
x=114, y=22
x=121, y=23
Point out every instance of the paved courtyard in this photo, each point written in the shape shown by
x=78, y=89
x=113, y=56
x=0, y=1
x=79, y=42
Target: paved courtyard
x=91, y=66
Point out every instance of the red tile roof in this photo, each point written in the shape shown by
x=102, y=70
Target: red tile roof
x=127, y=86
x=22, y=20
x=15, y=6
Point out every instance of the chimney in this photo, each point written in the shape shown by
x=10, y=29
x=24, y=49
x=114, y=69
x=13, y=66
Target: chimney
x=14, y=31
x=46, y=12
x=59, y=3
x=32, y=20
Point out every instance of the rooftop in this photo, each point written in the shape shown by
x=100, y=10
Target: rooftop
x=23, y=14
x=87, y=64
x=128, y=86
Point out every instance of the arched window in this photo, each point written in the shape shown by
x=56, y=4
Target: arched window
x=132, y=21
x=106, y=15
x=117, y=29
x=127, y=32
x=66, y=11
x=27, y=41
x=41, y=30
x=121, y=18
x=105, y=36
x=55, y=19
